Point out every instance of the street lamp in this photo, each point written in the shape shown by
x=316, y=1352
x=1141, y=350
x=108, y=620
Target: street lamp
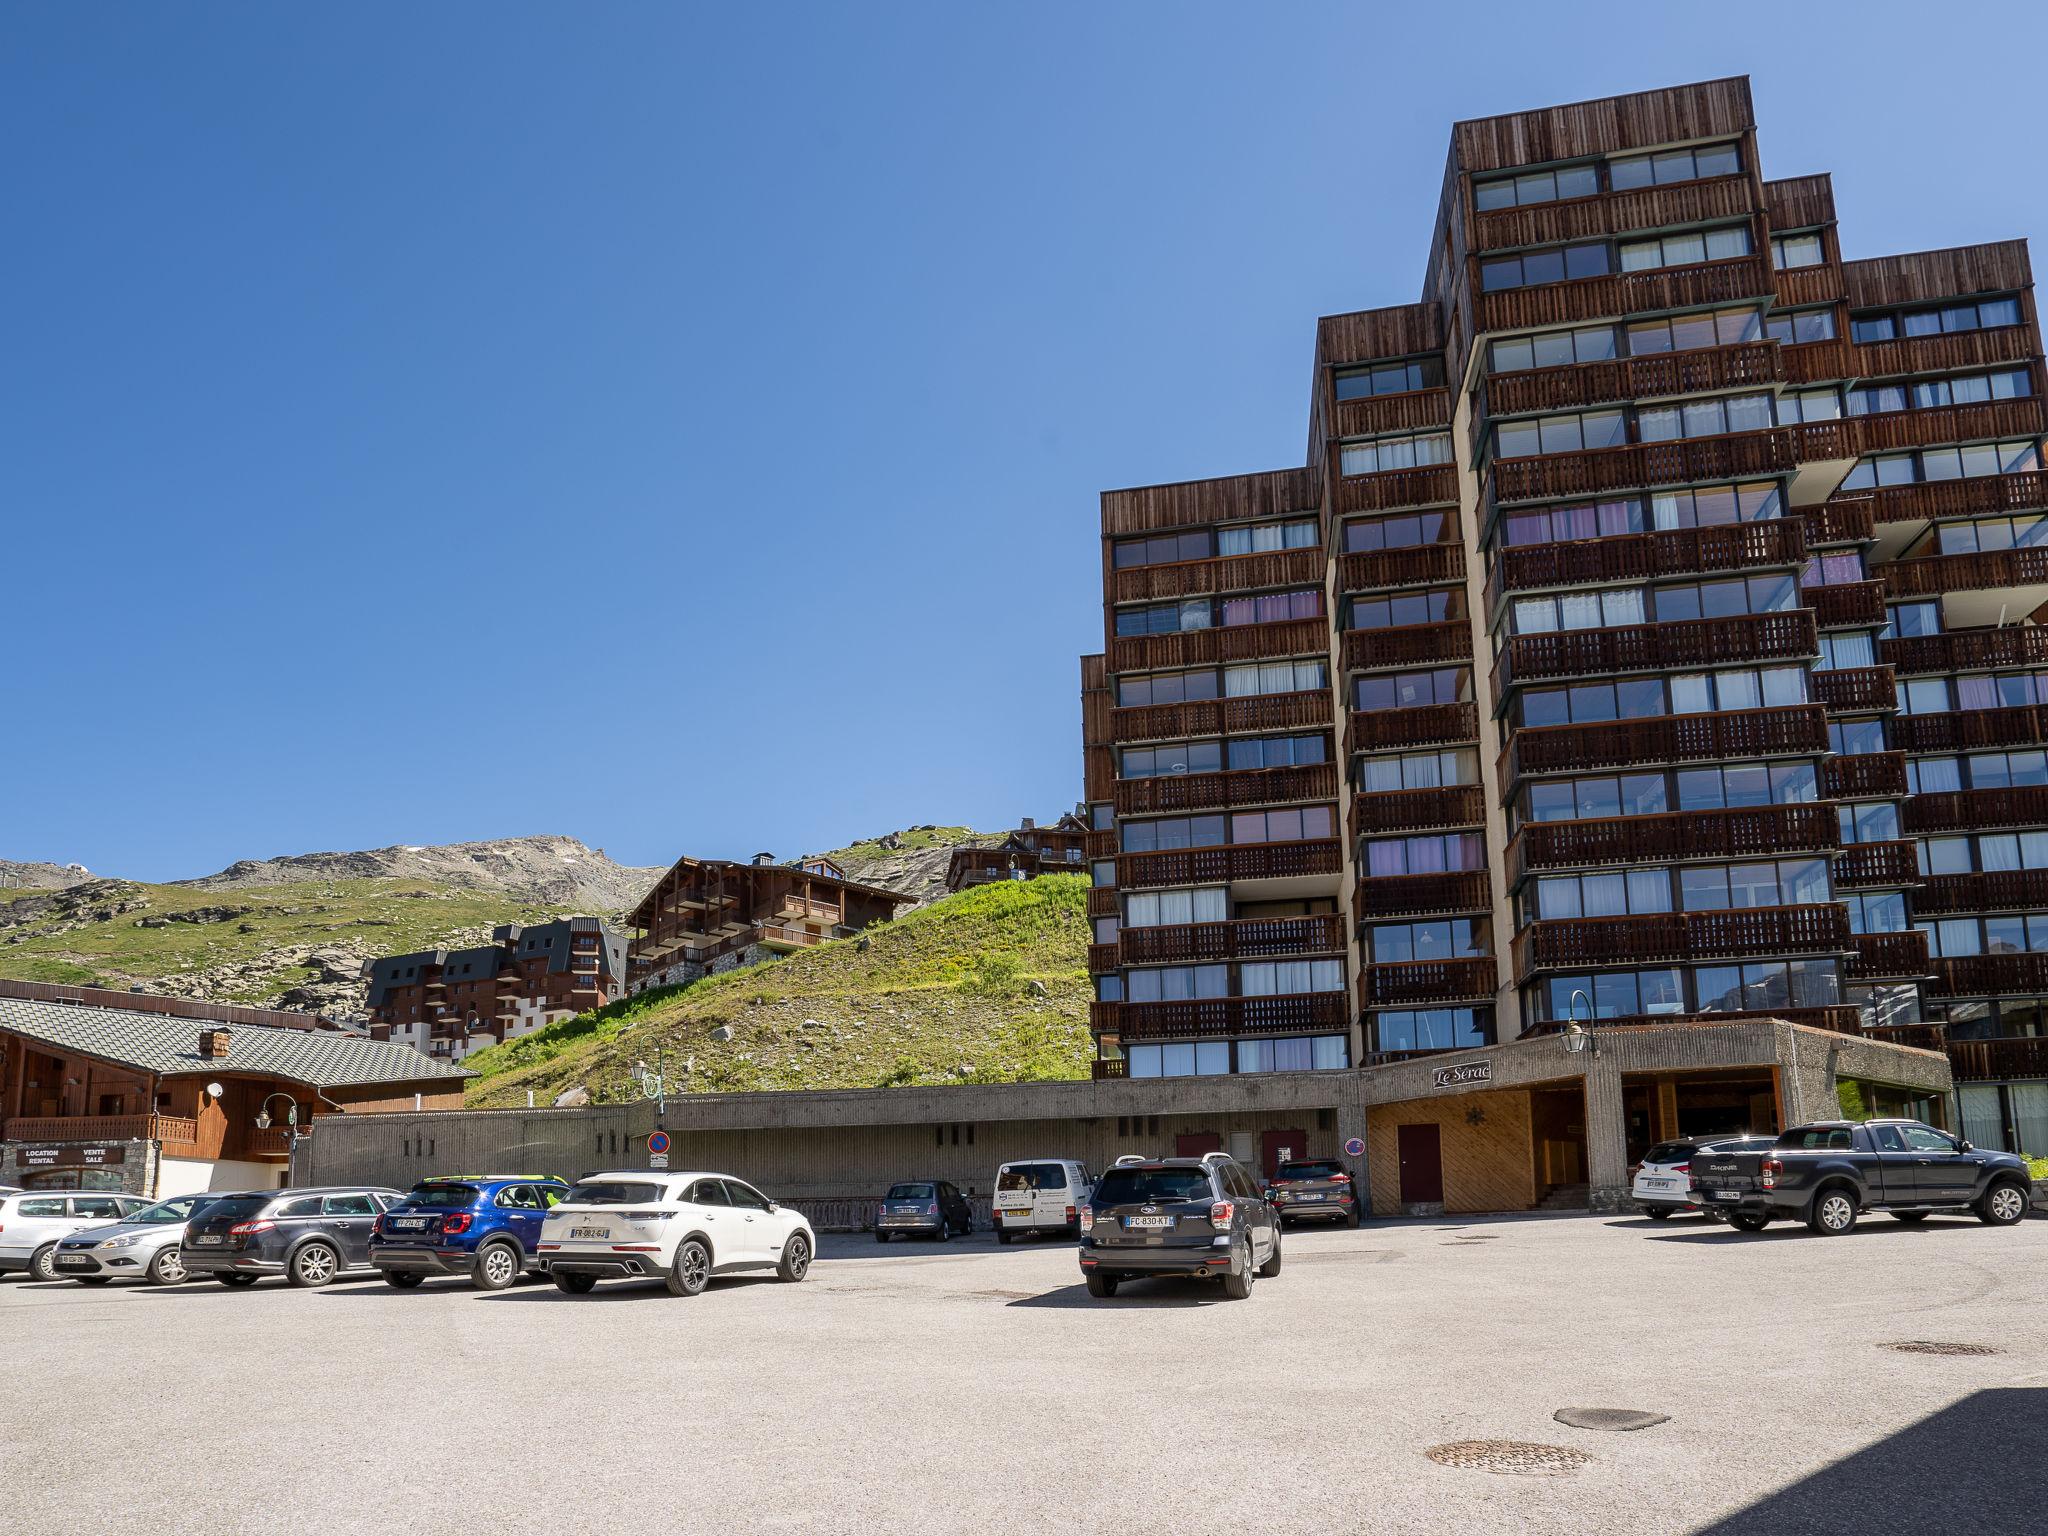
x=291, y=1115
x=1577, y=1037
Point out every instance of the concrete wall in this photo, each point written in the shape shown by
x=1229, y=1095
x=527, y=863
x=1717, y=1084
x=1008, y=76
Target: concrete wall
x=195, y=1176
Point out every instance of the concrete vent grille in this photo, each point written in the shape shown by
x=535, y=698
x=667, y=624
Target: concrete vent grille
x=1936, y=1347
x=1518, y=1458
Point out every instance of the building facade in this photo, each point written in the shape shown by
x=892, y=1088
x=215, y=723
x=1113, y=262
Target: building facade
x=449, y=1002
x=1029, y=851
x=1649, y=636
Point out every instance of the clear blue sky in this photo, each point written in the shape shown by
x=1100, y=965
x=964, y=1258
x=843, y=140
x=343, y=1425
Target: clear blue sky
x=681, y=426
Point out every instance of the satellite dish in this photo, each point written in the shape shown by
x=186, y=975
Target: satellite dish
x=214, y=1090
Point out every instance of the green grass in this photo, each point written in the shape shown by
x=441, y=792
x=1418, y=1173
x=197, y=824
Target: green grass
x=985, y=987
x=911, y=842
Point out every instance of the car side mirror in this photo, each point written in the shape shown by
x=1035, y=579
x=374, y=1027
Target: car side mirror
x=1964, y=1146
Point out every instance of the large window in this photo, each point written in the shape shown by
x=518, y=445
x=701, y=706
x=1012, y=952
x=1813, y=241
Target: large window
x=1407, y=608
x=1613, y=994
x=1570, y=432
x=1892, y=324
x=1172, y=757
x=1266, y=538
x=1435, y=853
x=1165, y=618
x=1204, y=1058
x=1528, y=268
x=1406, y=690
x=1446, y=939
x=1807, y=405
x=1390, y=378
x=1803, y=250
x=1278, y=751
x=1288, y=978
x=1404, y=531
x=1529, y=187
x=1165, y=687
x=1670, y=165
x=1727, y=598
x=1616, y=894
x=1418, y=770
x=1554, y=349
x=1294, y=825
x=1772, y=984
x=1593, y=703
x=1686, y=333
x=1704, y=418
x=1874, y=821
x=1579, y=610
x=1597, y=796
x=1684, y=250
x=2009, y=458
x=1432, y=1029
x=1164, y=548
x=1413, y=450
x=1752, y=988
x=1930, y=394
x=1705, y=507
x=1176, y=983
x=1311, y=1053
x=1874, y=912
x=1173, y=832
x=1985, y=853
x=1952, y=936
x=1737, y=688
x=1795, y=326
x=2003, y=770
x=1160, y=909
x=1275, y=677
x=1273, y=607
x=1768, y=883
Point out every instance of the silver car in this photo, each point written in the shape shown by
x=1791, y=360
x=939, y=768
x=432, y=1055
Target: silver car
x=143, y=1246
x=33, y=1222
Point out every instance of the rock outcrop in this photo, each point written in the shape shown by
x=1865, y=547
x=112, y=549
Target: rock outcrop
x=557, y=870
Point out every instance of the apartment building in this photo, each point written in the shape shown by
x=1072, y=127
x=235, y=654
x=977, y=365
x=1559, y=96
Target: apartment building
x=1029, y=851
x=1649, y=637
x=449, y=1002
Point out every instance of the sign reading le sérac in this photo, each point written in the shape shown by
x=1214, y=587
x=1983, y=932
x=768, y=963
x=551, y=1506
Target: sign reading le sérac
x=1458, y=1077
x=70, y=1157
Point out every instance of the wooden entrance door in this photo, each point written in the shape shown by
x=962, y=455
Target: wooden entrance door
x=1422, y=1164
x=1276, y=1147
x=1195, y=1143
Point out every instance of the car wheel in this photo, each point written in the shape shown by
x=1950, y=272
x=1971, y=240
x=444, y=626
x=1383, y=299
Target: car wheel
x=168, y=1267
x=796, y=1257
x=496, y=1267
x=1351, y=1220
x=881, y=1236
x=1002, y=1237
x=1911, y=1218
x=945, y=1232
x=313, y=1266
x=44, y=1265
x=1834, y=1213
x=403, y=1279
x=1745, y=1221
x=573, y=1285
x=1657, y=1212
x=1271, y=1267
x=237, y=1281
x=2002, y=1205
x=1102, y=1286
x=692, y=1271
x=1237, y=1280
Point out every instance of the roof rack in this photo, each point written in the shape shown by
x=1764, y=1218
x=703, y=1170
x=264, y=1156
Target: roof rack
x=1218, y=1156
x=1128, y=1160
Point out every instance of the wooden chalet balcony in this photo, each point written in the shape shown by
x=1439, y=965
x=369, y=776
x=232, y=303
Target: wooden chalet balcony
x=1411, y=411
x=174, y=1131
x=1862, y=775
x=1638, y=466
x=1877, y=864
x=1421, y=725
x=1964, y=730
x=1777, y=544
x=1419, y=565
x=1856, y=690
x=1837, y=522
x=1948, y=353
x=1391, y=490
x=1980, y=496
x=1380, y=897
x=1978, y=810
x=1802, y=286
x=1104, y=958
x=1223, y=791
x=1103, y=901
x=1891, y=431
x=1097, y=843
x=1887, y=957
x=1990, y=890
x=1632, y=378
x=1818, y=362
x=1244, y=939
x=2015, y=1056
x=1748, y=933
x=1977, y=571
x=1784, y=731
x=1208, y=1018
x=1849, y=605
x=1108, y=1068
x=1225, y=643
x=1210, y=717
x=1225, y=573
x=1622, y=293
x=1417, y=810
x=1234, y=861
x=1674, y=645
x=1407, y=645
x=1968, y=650
x=1990, y=976
x=1763, y=831
x=1612, y=213
x=1423, y=983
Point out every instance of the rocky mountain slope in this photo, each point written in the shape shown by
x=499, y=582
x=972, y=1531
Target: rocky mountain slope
x=912, y=861
x=19, y=877
x=557, y=870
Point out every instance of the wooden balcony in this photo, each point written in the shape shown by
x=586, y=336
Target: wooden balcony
x=1991, y=890
x=1097, y=843
x=1108, y=1069
x=1774, y=545
x=1639, y=466
x=1752, y=933
x=1949, y=353
x=1224, y=791
x=1210, y=1018
x=1407, y=645
x=1757, y=832
x=1246, y=938
x=1977, y=810
x=1799, y=287
x=1887, y=957
x=1238, y=861
x=1968, y=650
x=1995, y=1060
x=1632, y=378
x=1857, y=690
x=1393, y=490
x=1818, y=362
x=1419, y=565
x=1382, y=897
x=1672, y=646
x=1427, y=983
x=1966, y=730
x=1894, y=431
x=1104, y=958
x=1611, y=213
x=1863, y=775
x=1623, y=293
x=1422, y=725
x=1211, y=717
x=1417, y=810
x=1103, y=901
x=1224, y=644
x=2007, y=975
x=178, y=1133
x=1376, y=415
x=1225, y=573
x=1863, y=865
x=1849, y=605
x=1793, y=730
x=1980, y=496
x=1977, y=571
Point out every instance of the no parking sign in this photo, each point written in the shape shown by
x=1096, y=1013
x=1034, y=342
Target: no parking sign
x=1354, y=1148
x=657, y=1150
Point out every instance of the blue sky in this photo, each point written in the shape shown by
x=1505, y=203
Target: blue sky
x=681, y=426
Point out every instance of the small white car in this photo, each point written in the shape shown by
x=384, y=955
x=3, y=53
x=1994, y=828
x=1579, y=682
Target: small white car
x=33, y=1222
x=1663, y=1183
x=682, y=1228
x=144, y=1246
x=1040, y=1194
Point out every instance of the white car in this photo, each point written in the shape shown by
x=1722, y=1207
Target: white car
x=33, y=1222
x=1040, y=1194
x=682, y=1227
x=144, y=1246
x=1663, y=1183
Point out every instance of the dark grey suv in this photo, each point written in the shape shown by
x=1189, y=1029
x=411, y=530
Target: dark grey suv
x=1198, y=1216
x=310, y=1236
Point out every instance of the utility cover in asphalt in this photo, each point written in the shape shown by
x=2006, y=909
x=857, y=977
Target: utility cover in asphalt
x=1609, y=1418
x=1517, y=1458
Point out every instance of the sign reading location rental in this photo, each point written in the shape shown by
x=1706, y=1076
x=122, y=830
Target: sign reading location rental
x=70, y=1157
x=1459, y=1076
x=1354, y=1148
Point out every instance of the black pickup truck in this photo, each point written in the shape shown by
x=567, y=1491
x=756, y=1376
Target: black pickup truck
x=1829, y=1173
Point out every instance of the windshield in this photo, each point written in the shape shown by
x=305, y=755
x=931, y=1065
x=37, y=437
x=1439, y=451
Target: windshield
x=910, y=1192
x=1309, y=1171
x=1033, y=1176
x=163, y=1211
x=1669, y=1152
x=439, y=1197
x=1147, y=1186
x=613, y=1192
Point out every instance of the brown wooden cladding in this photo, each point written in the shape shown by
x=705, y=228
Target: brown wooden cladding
x=1978, y=810
x=1413, y=411
x=1944, y=353
x=1392, y=490
x=1369, y=335
x=1211, y=717
x=1247, y=938
x=1208, y=1018
x=1754, y=832
x=1856, y=690
x=1934, y=575
x=1863, y=865
x=1977, y=1060
x=1718, y=198
x=1863, y=774
x=1962, y=650
x=1887, y=956
x=1239, y=861
x=1234, y=642
x=1847, y=605
x=1380, y=897
x=2015, y=725
x=1421, y=565
x=1423, y=725
x=1837, y=522
x=1103, y=901
x=1747, y=932
x=1420, y=983
x=1226, y=573
x=1928, y=276
x=1224, y=791
x=1712, y=109
x=1632, y=378
x=1407, y=645
x=1819, y=362
x=1990, y=976
x=1795, y=729
x=1150, y=508
x=1486, y=1151
x=1416, y=810
x=1984, y=494
x=1785, y=636
x=1103, y=959
x=1638, y=466
x=1991, y=890
x=1894, y=431
x=1800, y=202
x=1777, y=544
x=1805, y=286
x=1583, y=299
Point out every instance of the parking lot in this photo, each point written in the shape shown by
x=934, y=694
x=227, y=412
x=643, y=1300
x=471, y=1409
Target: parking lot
x=926, y=1387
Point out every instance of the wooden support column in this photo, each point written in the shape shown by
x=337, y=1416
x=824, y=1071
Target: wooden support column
x=1667, y=1108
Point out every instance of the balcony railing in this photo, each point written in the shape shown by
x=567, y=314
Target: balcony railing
x=1968, y=650
x=1626, y=293
x=1788, y=730
x=1380, y=897
x=1224, y=573
x=1407, y=645
x=1411, y=411
x=1392, y=490
x=1856, y=690
x=1103, y=901
x=1850, y=605
x=1246, y=938
x=1983, y=495
x=1108, y=1068
x=1235, y=642
x=1977, y=810
x=1422, y=725
x=1877, y=864
x=1859, y=776
x=1222, y=791
x=2005, y=975
x=1414, y=810
x=1420, y=565
x=1837, y=522
x=1758, y=832
x=1748, y=933
x=1417, y=983
x=1211, y=717
x=1632, y=378
x=1207, y=1018
x=1981, y=1060
x=171, y=1130
x=1688, y=643
x=1242, y=861
x=1816, y=362
x=1779, y=543
x=1977, y=571
x=1894, y=431
x=1943, y=353
x=1639, y=466
x=1612, y=213
x=1887, y=957
x=1991, y=890
x=1104, y=958
x=1964, y=730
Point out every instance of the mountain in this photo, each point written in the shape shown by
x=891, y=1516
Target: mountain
x=912, y=861
x=19, y=877
x=557, y=870
x=987, y=986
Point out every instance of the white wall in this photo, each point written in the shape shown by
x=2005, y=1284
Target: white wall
x=194, y=1176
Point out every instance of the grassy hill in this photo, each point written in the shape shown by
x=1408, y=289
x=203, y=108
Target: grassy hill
x=987, y=986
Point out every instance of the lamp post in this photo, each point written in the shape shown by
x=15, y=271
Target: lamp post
x=291, y=1115
x=1579, y=1037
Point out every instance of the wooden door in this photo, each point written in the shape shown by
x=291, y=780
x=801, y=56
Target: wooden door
x=1422, y=1164
x=1277, y=1147
x=1195, y=1143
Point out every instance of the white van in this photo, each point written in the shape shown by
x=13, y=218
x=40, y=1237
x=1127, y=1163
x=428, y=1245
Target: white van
x=1041, y=1194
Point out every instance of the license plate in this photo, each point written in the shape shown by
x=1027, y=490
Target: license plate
x=1660, y=1183
x=1308, y=1197
x=590, y=1232
x=207, y=1238
x=408, y=1223
x=1148, y=1221
x=73, y=1261
x=1014, y=1215
x=1727, y=1194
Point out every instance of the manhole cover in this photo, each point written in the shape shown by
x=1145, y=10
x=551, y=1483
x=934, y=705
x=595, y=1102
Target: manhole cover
x=1609, y=1418
x=1935, y=1347
x=1520, y=1458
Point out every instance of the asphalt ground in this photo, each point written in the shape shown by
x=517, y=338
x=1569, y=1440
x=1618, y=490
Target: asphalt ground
x=973, y=1387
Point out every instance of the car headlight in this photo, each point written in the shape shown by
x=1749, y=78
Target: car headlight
x=120, y=1242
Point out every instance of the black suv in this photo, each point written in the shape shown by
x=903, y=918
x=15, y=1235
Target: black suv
x=1199, y=1216
x=1319, y=1188
x=310, y=1236
x=927, y=1207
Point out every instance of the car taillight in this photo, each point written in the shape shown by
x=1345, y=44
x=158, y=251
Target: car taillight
x=1220, y=1212
x=1070, y=1213
x=1771, y=1169
x=1340, y=1178
x=1086, y=1218
x=456, y=1223
x=1681, y=1167
x=377, y=1227
x=250, y=1228
x=931, y=1210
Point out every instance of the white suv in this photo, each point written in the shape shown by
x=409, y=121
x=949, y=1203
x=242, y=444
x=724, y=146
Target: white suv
x=682, y=1227
x=31, y=1223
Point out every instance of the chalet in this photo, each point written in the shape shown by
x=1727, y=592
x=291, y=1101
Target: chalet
x=164, y=1096
x=1028, y=851
x=709, y=915
x=449, y=1002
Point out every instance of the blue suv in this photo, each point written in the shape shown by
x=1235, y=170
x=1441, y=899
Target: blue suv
x=486, y=1227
